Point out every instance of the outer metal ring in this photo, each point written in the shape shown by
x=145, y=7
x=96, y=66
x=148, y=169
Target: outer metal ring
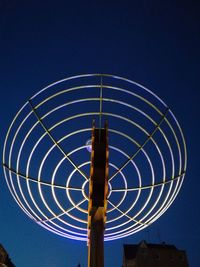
x=46, y=161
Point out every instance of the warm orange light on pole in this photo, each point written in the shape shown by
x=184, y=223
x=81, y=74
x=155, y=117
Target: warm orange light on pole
x=98, y=192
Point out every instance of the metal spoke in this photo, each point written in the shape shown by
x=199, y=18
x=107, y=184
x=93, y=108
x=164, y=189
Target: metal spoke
x=141, y=146
x=148, y=186
x=65, y=212
x=55, y=142
x=39, y=181
x=125, y=214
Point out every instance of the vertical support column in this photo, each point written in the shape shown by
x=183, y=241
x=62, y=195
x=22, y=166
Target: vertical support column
x=98, y=191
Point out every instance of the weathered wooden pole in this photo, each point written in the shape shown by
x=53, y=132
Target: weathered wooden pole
x=98, y=191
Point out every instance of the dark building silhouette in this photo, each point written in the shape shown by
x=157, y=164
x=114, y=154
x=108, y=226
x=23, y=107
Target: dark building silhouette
x=4, y=258
x=154, y=255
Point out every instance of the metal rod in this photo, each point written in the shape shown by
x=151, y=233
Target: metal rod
x=55, y=142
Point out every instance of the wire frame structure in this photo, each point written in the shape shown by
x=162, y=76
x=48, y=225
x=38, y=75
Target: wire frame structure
x=46, y=156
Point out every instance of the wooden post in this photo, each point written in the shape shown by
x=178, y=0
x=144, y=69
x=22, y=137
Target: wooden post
x=98, y=191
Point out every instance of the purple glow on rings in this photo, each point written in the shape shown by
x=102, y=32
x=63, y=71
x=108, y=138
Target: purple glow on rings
x=89, y=145
x=47, y=164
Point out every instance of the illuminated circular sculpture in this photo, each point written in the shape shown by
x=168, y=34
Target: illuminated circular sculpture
x=47, y=154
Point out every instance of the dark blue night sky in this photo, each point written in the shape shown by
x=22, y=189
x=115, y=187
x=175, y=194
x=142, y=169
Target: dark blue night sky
x=155, y=43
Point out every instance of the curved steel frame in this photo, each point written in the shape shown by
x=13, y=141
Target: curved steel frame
x=124, y=223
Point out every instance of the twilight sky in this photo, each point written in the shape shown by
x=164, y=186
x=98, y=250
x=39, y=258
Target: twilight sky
x=155, y=43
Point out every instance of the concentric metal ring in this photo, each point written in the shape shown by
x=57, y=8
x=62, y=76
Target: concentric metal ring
x=47, y=161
